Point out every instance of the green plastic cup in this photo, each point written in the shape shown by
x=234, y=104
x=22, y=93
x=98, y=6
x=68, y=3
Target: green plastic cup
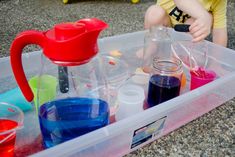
x=44, y=89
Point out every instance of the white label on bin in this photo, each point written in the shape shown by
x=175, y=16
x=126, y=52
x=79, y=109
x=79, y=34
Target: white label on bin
x=147, y=132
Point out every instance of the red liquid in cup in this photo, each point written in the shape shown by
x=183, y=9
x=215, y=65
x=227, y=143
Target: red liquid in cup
x=7, y=147
x=200, y=77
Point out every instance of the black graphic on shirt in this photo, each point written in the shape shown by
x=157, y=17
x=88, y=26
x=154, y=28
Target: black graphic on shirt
x=179, y=15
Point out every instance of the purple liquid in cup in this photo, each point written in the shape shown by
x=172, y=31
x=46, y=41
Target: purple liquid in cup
x=162, y=88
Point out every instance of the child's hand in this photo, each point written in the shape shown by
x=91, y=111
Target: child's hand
x=201, y=27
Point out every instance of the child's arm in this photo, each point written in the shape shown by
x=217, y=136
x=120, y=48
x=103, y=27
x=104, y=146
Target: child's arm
x=219, y=31
x=220, y=36
x=201, y=27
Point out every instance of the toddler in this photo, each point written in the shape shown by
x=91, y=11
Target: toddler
x=204, y=17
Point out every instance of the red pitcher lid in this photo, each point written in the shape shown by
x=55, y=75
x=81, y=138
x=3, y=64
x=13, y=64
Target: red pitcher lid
x=65, y=31
x=73, y=43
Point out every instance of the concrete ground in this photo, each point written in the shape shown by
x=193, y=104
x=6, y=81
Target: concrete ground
x=211, y=135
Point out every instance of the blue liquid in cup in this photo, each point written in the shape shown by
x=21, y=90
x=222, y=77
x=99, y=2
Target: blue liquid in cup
x=65, y=119
x=162, y=88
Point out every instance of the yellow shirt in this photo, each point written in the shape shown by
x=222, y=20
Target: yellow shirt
x=216, y=7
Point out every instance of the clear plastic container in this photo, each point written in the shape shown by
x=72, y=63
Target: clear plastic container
x=130, y=100
x=123, y=137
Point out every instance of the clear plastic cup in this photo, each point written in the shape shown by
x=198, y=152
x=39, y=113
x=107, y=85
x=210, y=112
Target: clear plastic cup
x=191, y=54
x=131, y=96
x=116, y=72
x=130, y=100
x=11, y=120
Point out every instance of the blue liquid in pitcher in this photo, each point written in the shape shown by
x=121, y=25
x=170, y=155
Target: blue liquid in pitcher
x=162, y=88
x=65, y=119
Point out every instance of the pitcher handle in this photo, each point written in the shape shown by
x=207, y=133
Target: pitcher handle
x=23, y=39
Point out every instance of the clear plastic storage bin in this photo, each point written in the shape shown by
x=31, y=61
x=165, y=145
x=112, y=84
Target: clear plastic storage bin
x=122, y=137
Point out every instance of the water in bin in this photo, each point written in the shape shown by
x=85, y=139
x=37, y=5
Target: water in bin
x=70, y=71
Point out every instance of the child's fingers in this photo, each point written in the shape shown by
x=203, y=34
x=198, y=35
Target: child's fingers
x=195, y=29
x=193, y=25
x=198, y=33
x=199, y=38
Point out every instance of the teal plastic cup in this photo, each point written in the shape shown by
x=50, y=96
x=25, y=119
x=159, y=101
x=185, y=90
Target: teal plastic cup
x=15, y=96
